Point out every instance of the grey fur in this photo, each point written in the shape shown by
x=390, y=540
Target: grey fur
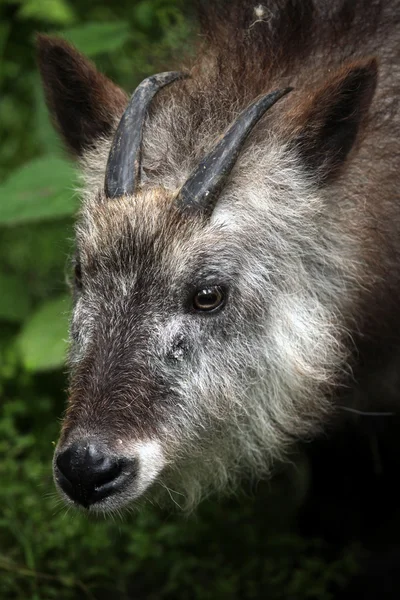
x=310, y=264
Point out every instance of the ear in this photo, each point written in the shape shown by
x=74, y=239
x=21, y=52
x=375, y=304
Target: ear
x=332, y=119
x=84, y=104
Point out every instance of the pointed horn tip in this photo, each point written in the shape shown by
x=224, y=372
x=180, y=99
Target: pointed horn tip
x=200, y=191
x=167, y=77
x=282, y=92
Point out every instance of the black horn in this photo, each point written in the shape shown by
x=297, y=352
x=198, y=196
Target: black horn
x=123, y=165
x=201, y=190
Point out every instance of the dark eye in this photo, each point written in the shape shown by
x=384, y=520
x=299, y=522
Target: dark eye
x=209, y=299
x=78, y=275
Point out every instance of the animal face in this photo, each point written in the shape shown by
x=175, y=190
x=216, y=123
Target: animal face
x=205, y=338
x=197, y=354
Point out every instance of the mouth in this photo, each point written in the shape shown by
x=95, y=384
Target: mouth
x=89, y=476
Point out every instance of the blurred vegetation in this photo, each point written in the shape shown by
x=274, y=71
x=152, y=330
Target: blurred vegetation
x=237, y=548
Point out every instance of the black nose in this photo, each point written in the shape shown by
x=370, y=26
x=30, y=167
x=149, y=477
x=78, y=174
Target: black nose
x=87, y=474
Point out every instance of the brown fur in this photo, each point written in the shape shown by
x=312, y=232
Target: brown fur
x=315, y=46
x=82, y=101
x=306, y=232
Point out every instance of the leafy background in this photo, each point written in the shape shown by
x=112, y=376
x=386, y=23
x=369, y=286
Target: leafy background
x=248, y=546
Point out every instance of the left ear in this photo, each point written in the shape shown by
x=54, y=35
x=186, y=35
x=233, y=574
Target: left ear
x=83, y=103
x=332, y=119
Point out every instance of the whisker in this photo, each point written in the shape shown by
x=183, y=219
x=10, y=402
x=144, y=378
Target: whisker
x=368, y=413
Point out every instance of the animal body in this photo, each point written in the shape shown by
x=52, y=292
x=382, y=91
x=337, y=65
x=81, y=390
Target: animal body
x=237, y=251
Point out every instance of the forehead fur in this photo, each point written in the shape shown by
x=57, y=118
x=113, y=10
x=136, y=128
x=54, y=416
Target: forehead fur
x=149, y=216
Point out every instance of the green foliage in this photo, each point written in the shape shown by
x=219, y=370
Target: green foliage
x=14, y=302
x=42, y=341
x=98, y=38
x=40, y=189
x=50, y=11
x=227, y=550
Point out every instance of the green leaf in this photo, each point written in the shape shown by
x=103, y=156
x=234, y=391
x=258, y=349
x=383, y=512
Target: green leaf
x=50, y=11
x=40, y=189
x=146, y=14
x=14, y=300
x=98, y=38
x=42, y=342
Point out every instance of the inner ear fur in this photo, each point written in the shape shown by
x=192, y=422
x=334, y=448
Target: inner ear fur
x=84, y=104
x=331, y=120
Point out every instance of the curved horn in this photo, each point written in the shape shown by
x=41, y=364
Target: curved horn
x=123, y=165
x=201, y=190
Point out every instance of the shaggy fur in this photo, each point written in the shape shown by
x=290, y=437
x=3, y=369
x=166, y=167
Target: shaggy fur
x=304, y=239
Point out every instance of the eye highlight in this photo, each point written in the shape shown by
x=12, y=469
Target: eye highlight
x=209, y=299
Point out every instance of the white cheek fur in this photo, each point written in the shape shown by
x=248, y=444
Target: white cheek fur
x=151, y=460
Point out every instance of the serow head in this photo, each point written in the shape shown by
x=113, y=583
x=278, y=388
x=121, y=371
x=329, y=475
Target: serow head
x=203, y=338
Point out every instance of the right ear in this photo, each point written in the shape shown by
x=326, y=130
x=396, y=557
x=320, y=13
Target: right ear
x=83, y=103
x=331, y=119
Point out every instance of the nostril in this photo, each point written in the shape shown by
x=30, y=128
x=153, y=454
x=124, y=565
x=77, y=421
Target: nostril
x=87, y=473
x=106, y=469
x=64, y=464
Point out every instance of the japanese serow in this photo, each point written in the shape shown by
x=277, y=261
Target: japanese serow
x=237, y=262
